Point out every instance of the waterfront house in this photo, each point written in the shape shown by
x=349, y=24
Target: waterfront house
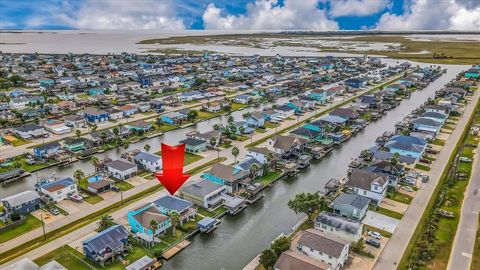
x=106, y=245
x=58, y=190
x=114, y=113
x=204, y=193
x=212, y=107
x=184, y=208
x=424, y=124
x=286, y=145
x=349, y=114
x=74, y=121
x=324, y=247
x=226, y=175
x=308, y=134
x=75, y=144
x=140, y=221
x=29, y=131
x=149, y=162
x=205, y=136
x=356, y=82
x=440, y=117
x=393, y=172
x=93, y=115
x=46, y=150
x=193, y=145
x=128, y=110
x=255, y=120
x=293, y=260
x=121, y=170
x=99, y=184
x=22, y=203
x=173, y=118
x=406, y=145
x=140, y=126
x=284, y=111
x=368, y=184
x=370, y=101
x=259, y=153
x=333, y=120
x=334, y=224
x=351, y=206
x=247, y=163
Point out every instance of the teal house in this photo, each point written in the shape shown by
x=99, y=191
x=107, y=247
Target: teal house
x=95, y=91
x=75, y=144
x=472, y=73
x=193, y=145
x=140, y=221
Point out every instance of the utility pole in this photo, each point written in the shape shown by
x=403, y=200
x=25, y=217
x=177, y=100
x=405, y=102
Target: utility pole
x=121, y=197
x=43, y=227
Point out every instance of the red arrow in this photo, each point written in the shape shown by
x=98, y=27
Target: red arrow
x=172, y=177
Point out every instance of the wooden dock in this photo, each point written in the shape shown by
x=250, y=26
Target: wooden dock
x=175, y=249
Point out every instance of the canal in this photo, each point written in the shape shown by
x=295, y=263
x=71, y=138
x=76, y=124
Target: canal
x=238, y=239
x=171, y=137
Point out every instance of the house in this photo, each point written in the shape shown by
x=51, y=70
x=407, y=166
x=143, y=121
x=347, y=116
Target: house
x=324, y=247
x=212, y=107
x=242, y=99
x=368, y=184
x=46, y=150
x=22, y=203
x=393, y=172
x=56, y=126
x=204, y=193
x=193, y=145
x=140, y=221
x=206, y=136
x=356, y=82
x=140, y=126
x=286, y=145
x=348, y=114
x=226, y=175
x=128, y=110
x=307, y=134
x=437, y=109
x=30, y=131
x=107, y=244
x=472, y=73
x=284, y=111
x=336, y=225
x=28, y=264
x=259, y=153
x=149, y=162
x=255, y=120
x=173, y=118
x=293, y=260
x=156, y=105
x=59, y=190
x=320, y=95
x=247, y=164
x=440, y=117
x=74, y=121
x=351, y=206
x=271, y=115
x=426, y=125
x=242, y=128
x=121, y=170
x=100, y=184
x=184, y=208
x=75, y=144
x=93, y=115
x=114, y=113
x=406, y=145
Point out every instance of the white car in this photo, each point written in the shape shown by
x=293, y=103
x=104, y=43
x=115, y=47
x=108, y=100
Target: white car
x=375, y=235
x=409, y=189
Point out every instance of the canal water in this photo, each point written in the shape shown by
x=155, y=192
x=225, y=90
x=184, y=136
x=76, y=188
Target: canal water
x=238, y=239
x=171, y=137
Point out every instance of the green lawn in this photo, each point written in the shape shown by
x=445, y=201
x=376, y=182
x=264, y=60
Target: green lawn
x=123, y=185
x=20, y=141
x=422, y=167
x=269, y=177
x=93, y=199
x=260, y=130
x=189, y=157
x=438, y=142
x=207, y=115
x=215, y=213
x=271, y=125
x=400, y=197
x=31, y=223
x=388, y=212
x=66, y=256
x=237, y=106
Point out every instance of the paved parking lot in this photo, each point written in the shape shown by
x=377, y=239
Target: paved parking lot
x=380, y=221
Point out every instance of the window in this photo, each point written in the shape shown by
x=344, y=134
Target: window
x=364, y=192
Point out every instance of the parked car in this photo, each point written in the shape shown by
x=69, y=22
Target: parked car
x=425, y=178
x=375, y=234
x=54, y=211
x=409, y=189
x=465, y=159
x=373, y=243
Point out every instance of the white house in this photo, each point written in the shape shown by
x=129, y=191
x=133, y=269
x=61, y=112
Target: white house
x=324, y=247
x=334, y=224
x=30, y=130
x=122, y=170
x=259, y=153
x=368, y=184
x=149, y=162
x=59, y=190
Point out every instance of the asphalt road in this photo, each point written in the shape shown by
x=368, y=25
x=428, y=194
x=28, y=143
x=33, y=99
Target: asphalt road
x=461, y=254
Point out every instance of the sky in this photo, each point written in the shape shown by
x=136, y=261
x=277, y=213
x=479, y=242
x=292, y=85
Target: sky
x=241, y=14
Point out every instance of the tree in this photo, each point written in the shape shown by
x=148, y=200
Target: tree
x=192, y=115
x=270, y=157
x=103, y=137
x=253, y=171
x=125, y=144
x=241, y=129
x=105, y=222
x=268, y=258
x=394, y=159
x=95, y=162
x=280, y=245
x=94, y=127
x=146, y=147
x=230, y=119
x=174, y=220
x=78, y=133
x=307, y=203
x=153, y=226
x=78, y=174
x=116, y=131
x=235, y=152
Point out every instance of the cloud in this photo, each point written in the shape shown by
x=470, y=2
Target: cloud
x=339, y=8
x=434, y=15
x=269, y=14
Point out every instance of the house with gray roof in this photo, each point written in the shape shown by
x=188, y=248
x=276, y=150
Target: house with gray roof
x=22, y=203
x=121, y=170
x=334, y=224
x=206, y=194
x=107, y=244
x=149, y=162
x=351, y=206
x=294, y=260
x=324, y=247
x=227, y=175
x=169, y=203
x=368, y=184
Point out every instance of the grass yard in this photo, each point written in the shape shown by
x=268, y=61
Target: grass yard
x=31, y=223
x=207, y=115
x=439, y=142
x=260, y=130
x=20, y=141
x=238, y=106
x=189, y=157
x=123, y=185
x=66, y=256
x=269, y=177
x=382, y=232
x=400, y=197
x=422, y=167
x=93, y=199
x=271, y=125
x=215, y=213
x=389, y=213
x=476, y=251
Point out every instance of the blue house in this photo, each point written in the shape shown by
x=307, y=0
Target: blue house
x=144, y=80
x=17, y=93
x=406, y=146
x=319, y=95
x=169, y=203
x=46, y=83
x=255, y=120
x=47, y=149
x=472, y=73
x=141, y=218
x=94, y=115
x=308, y=134
x=173, y=118
x=107, y=244
x=96, y=91
x=427, y=124
x=21, y=203
x=356, y=82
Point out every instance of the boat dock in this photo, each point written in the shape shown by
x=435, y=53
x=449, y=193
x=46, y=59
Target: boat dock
x=175, y=249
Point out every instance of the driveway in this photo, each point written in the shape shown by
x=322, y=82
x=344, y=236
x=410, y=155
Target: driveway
x=394, y=205
x=380, y=221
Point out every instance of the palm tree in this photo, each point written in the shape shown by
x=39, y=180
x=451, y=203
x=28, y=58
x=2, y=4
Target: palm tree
x=116, y=131
x=78, y=174
x=105, y=222
x=153, y=226
x=103, y=136
x=394, y=159
x=270, y=157
x=174, y=220
x=241, y=129
x=125, y=144
x=78, y=133
x=235, y=152
x=95, y=161
x=146, y=147
x=253, y=171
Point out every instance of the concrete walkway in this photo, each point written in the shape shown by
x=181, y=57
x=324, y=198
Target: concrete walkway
x=123, y=211
x=393, y=252
x=461, y=254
